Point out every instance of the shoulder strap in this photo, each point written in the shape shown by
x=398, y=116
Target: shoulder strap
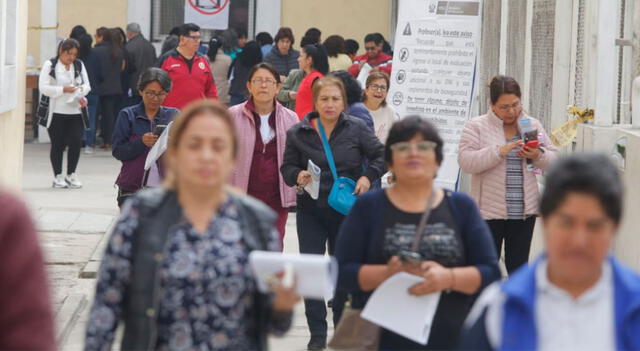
x=327, y=151
x=54, y=62
x=423, y=220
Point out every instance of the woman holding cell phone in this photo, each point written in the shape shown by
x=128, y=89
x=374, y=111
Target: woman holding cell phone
x=502, y=166
x=138, y=128
x=418, y=228
x=65, y=81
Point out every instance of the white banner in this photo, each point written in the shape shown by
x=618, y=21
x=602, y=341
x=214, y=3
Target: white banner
x=434, y=68
x=208, y=14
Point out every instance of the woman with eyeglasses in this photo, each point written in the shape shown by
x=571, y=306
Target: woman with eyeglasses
x=492, y=150
x=375, y=99
x=261, y=124
x=138, y=128
x=314, y=62
x=382, y=235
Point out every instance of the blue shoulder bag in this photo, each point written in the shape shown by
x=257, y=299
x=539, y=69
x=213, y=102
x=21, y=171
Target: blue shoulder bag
x=341, y=197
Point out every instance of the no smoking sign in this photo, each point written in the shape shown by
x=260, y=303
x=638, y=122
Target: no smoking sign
x=209, y=7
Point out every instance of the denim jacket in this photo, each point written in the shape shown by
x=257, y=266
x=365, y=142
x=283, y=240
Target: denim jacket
x=131, y=125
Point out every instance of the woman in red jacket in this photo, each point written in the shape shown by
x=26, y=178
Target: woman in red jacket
x=314, y=62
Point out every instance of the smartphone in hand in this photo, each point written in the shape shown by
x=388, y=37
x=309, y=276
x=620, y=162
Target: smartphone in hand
x=159, y=129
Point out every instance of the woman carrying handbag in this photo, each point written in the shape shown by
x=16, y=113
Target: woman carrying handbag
x=318, y=221
x=413, y=227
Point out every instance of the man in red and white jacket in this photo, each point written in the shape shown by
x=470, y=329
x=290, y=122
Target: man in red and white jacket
x=188, y=69
x=377, y=59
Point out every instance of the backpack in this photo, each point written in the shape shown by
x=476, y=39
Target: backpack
x=42, y=112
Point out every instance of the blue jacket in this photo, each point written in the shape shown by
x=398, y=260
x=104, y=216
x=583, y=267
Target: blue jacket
x=131, y=124
x=362, y=232
x=359, y=110
x=518, y=326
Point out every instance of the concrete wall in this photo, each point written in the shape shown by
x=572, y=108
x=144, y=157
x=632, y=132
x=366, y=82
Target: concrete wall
x=352, y=19
x=89, y=13
x=12, y=122
x=603, y=139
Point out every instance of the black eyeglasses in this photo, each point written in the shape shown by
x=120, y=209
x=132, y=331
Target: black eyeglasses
x=154, y=95
x=194, y=37
x=369, y=48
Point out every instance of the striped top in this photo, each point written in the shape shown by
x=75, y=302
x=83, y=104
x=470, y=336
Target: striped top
x=515, y=184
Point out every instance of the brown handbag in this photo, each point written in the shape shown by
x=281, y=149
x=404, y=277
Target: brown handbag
x=355, y=333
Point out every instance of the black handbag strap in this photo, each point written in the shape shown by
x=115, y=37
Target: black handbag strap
x=423, y=221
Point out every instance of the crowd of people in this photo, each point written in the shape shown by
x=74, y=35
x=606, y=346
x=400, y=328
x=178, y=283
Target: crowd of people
x=249, y=117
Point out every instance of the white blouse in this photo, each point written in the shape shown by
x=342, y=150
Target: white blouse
x=61, y=102
x=383, y=118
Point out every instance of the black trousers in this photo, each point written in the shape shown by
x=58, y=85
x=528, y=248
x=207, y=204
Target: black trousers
x=65, y=131
x=516, y=234
x=316, y=228
x=109, y=108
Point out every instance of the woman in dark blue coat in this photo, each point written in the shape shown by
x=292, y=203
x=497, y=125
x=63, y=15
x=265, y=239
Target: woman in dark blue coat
x=454, y=253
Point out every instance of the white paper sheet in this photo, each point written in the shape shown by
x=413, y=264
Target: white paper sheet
x=393, y=308
x=313, y=188
x=315, y=275
x=364, y=74
x=158, y=148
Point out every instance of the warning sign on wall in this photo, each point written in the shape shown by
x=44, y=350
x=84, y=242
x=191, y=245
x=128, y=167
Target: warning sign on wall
x=434, y=69
x=208, y=14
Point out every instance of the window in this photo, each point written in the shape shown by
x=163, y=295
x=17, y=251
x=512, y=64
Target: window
x=8, y=55
x=166, y=14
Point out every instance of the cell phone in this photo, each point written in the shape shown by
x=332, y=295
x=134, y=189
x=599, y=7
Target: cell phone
x=409, y=257
x=159, y=129
x=532, y=144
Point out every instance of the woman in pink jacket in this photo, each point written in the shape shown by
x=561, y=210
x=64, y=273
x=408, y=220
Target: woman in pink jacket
x=503, y=169
x=262, y=125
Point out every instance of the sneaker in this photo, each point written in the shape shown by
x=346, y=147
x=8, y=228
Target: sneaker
x=317, y=343
x=58, y=182
x=88, y=150
x=73, y=181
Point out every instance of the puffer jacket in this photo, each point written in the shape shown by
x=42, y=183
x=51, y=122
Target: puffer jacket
x=352, y=144
x=479, y=155
x=283, y=63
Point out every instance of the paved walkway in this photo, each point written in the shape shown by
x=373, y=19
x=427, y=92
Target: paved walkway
x=72, y=224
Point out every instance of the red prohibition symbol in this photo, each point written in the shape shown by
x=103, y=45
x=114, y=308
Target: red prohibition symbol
x=215, y=6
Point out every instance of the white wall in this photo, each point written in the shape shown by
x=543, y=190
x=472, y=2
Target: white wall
x=139, y=11
x=268, y=16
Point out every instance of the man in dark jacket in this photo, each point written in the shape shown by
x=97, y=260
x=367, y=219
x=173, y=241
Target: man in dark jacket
x=143, y=55
x=189, y=70
x=25, y=308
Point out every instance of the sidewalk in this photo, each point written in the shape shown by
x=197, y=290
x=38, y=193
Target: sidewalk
x=72, y=224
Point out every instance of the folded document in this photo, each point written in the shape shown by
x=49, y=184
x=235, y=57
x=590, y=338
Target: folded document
x=393, y=308
x=315, y=275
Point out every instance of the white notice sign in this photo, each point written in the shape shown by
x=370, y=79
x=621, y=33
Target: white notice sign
x=208, y=14
x=434, y=67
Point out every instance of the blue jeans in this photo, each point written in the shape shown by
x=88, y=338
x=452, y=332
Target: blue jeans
x=90, y=135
